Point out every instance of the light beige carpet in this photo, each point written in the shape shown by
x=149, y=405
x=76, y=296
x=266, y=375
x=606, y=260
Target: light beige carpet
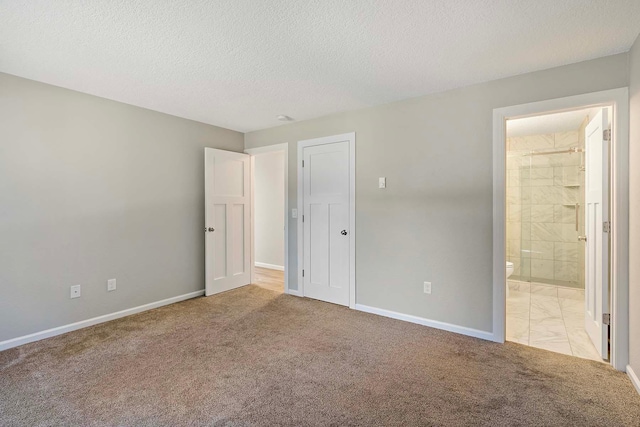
x=253, y=357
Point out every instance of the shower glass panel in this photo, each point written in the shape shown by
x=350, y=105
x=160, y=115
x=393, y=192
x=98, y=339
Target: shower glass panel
x=545, y=193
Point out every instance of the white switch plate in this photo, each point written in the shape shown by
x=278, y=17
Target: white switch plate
x=427, y=287
x=74, y=291
x=294, y=213
x=111, y=285
x=382, y=182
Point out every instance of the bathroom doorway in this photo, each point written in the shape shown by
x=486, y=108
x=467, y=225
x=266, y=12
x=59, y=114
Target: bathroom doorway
x=561, y=225
x=546, y=243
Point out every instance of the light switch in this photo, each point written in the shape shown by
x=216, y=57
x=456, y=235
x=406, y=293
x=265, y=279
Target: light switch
x=382, y=182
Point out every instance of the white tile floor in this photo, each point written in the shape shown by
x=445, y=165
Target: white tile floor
x=548, y=317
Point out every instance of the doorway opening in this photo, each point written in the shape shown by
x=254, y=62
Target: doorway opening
x=557, y=227
x=269, y=220
x=550, y=196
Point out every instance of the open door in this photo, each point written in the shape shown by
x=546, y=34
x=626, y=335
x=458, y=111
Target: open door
x=597, y=228
x=227, y=220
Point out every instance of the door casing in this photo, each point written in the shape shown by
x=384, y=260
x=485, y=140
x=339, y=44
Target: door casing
x=351, y=138
x=618, y=100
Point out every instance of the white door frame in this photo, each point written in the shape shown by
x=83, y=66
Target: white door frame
x=618, y=99
x=282, y=148
x=351, y=138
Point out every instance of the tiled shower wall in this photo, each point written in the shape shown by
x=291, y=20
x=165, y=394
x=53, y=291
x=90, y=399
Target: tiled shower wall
x=542, y=193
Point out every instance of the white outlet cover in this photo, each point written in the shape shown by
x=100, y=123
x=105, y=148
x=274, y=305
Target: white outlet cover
x=111, y=285
x=382, y=182
x=294, y=213
x=427, y=287
x=74, y=291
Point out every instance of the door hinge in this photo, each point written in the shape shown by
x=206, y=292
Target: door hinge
x=606, y=227
x=302, y=273
x=303, y=163
x=606, y=134
x=606, y=319
x=302, y=218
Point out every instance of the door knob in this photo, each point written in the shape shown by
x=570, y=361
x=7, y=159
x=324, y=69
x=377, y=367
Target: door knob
x=582, y=238
x=210, y=229
x=343, y=232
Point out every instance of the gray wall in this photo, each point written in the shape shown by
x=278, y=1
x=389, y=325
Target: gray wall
x=434, y=220
x=269, y=208
x=92, y=189
x=634, y=209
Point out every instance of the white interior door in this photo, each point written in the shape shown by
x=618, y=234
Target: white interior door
x=227, y=220
x=326, y=222
x=596, y=218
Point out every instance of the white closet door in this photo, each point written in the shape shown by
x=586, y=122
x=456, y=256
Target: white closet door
x=326, y=222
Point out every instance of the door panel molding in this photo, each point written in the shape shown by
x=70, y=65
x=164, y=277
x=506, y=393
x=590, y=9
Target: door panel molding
x=351, y=139
x=618, y=99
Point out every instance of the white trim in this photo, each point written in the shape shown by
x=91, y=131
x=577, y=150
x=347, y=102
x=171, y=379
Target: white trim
x=634, y=378
x=619, y=100
x=269, y=266
x=37, y=336
x=284, y=148
x=463, y=330
x=351, y=137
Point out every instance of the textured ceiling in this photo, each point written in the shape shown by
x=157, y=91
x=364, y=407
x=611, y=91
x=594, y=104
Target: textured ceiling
x=239, y=63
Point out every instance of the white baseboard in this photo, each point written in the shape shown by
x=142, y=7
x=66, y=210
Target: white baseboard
x=15, y=342
x=427, y=322
x=634, y=378
x=269, y=266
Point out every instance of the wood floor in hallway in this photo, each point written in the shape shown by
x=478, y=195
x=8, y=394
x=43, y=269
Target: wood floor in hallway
x=270, y=279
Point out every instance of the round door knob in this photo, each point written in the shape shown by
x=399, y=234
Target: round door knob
x=211, y=229
x=343, y=232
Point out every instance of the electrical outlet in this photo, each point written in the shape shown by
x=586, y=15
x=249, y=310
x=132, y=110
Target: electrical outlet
x=74, y=291
x=382, y=182
x=427, y=287
x=111, y=285
x=294, y=213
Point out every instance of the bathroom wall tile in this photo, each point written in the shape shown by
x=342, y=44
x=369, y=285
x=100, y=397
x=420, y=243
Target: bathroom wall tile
x=565, y=251
x=564, y=214
x=514, y=212
x=542, y=268
x=566, y=139
x=542, y=250
x=542, y=213
x=569, y=195
x=569, y=233
x=513, y=248
x=513, y=178
x=546, y=195
x=513, y=195
x=566, y=175
x=564, y=270
x=533, y=142
x=548, y=232
x=541, y=174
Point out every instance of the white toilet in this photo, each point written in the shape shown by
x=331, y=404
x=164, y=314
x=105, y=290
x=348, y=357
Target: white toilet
x=509, y=273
